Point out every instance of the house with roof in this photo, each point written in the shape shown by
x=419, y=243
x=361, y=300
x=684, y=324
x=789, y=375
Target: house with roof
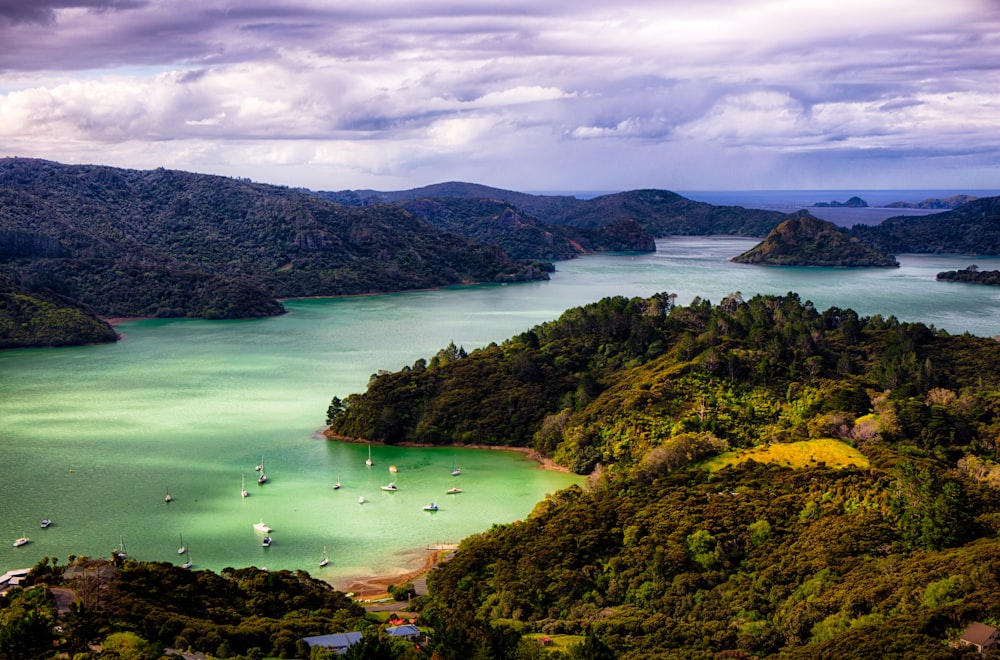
x=337, y=642
x=980, y=636
x=12, y=578
x=407, y=631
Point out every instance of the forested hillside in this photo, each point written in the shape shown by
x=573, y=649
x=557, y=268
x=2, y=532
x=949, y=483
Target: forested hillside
x=887, y=556
x=608, y=382
x=169, y=243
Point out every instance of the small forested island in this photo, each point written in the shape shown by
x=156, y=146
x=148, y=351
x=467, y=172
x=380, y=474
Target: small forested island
x=765, y=479
x=852, y=203
x=804, y=240
x=972, y=275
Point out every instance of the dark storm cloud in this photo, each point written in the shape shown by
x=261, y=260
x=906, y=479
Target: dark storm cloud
x=43, y=12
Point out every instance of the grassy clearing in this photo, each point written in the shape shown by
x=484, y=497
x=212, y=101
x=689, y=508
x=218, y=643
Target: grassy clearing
x=808, y=453
x=557, y=642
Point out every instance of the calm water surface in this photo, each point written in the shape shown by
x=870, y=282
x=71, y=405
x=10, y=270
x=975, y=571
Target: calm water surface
x=93, y=437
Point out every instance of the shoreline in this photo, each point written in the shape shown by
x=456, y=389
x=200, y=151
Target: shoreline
x=544, y=462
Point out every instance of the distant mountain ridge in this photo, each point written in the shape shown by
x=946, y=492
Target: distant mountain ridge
x=952, y=202
x=659, y=212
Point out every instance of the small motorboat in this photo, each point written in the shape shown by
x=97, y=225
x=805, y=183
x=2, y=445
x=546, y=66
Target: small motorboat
x=24, y=540
x=266, y=542
x=453, y=491
x=262, y=526
x=431, y=507
x=361, y=499
x=45, y=523
x=391, y=486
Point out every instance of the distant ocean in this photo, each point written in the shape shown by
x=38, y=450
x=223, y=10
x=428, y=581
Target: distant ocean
x=789, y=201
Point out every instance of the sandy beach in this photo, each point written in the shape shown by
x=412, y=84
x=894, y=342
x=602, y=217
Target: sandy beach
x=376, y=588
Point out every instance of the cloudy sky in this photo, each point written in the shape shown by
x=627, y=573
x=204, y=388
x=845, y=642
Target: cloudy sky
x=536, y=95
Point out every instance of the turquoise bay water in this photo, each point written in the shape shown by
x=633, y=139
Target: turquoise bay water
x=92, y=437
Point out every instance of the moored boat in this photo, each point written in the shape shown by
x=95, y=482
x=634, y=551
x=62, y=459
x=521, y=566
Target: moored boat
x=24, y=540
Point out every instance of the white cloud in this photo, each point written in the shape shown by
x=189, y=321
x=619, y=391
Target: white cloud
x=390, y=90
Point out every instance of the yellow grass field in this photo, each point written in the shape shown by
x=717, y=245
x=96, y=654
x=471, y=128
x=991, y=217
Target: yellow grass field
x=808, y=453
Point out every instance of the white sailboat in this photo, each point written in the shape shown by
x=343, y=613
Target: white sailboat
x=455, y=471
x=336, y=484
x=369, y=462
x=262, y=479
x=326, y=559
x=243, y=487
x=181, y=550
x=262, y=526
x=167, y=498
x=431, y=507
x=24, y=540
x=188, y=563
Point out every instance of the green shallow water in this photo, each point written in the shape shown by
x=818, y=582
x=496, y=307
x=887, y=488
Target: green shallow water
x=92, y=437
